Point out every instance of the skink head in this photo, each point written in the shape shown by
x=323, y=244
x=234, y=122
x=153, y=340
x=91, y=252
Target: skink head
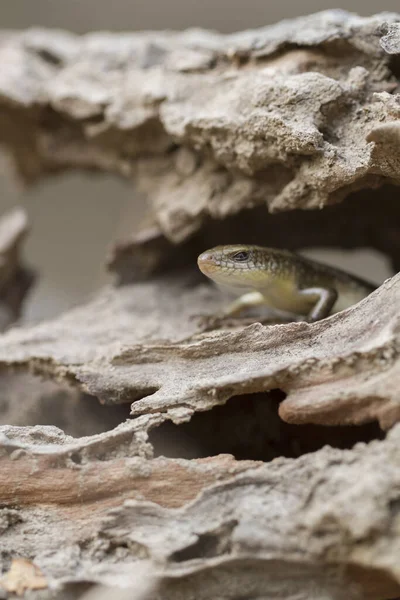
x=239, y=265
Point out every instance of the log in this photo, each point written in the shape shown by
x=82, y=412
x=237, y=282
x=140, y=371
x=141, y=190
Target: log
x=258, y=460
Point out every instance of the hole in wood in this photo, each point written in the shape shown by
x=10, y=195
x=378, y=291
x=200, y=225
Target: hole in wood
x=250, y=428
x=367, y=221
x=28, y=400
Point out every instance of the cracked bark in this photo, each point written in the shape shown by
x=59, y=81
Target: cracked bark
x=232, y=138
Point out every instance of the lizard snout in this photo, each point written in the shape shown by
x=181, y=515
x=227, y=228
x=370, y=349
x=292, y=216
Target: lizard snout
x=206, y=262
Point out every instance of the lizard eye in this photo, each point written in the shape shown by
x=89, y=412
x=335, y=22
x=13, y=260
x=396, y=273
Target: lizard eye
x=241, y=256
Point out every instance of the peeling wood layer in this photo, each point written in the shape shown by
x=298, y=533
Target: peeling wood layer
x=216, y=130
x=143, y=344
x=209, y=124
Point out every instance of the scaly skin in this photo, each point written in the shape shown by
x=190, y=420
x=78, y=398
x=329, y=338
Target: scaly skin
x=281, y=280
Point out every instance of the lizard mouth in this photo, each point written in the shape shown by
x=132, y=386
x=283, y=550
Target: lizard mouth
x=206, y=263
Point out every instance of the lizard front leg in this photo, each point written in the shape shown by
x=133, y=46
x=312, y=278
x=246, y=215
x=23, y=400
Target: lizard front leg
x=249, y=300
x=324, y=299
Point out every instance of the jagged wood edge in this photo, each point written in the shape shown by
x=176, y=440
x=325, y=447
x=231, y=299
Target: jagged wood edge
x=382, y=357
x=309, y=519
x=271, y=523
x=141, y=343
x=210, y=124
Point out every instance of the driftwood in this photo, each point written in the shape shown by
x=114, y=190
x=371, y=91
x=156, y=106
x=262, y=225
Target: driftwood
x=263, y=461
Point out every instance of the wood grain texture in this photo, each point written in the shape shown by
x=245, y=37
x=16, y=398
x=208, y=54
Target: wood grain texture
x=215, y=130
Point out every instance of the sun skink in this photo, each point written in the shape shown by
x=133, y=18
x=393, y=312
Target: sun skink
x=281, y=280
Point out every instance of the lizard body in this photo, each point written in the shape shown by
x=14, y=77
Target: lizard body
x=281, y=280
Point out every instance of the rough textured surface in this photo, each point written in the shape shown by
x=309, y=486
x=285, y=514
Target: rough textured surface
x=269, y=519
x=252, y=531
x=209, y=124
x=295, y=116
x=142, y=343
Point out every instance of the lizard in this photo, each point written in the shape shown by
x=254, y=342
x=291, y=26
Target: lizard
x=281, y=280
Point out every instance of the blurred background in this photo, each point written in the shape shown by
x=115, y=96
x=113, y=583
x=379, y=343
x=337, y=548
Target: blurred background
x=90, y=211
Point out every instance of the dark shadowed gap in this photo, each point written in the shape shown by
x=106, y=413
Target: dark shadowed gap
x=250, y=428
x=365, y=219
x=394, y=66
x=26, y=400
x=368, y=219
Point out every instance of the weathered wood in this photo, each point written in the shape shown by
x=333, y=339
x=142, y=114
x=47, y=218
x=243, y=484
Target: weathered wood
x=215, y=129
